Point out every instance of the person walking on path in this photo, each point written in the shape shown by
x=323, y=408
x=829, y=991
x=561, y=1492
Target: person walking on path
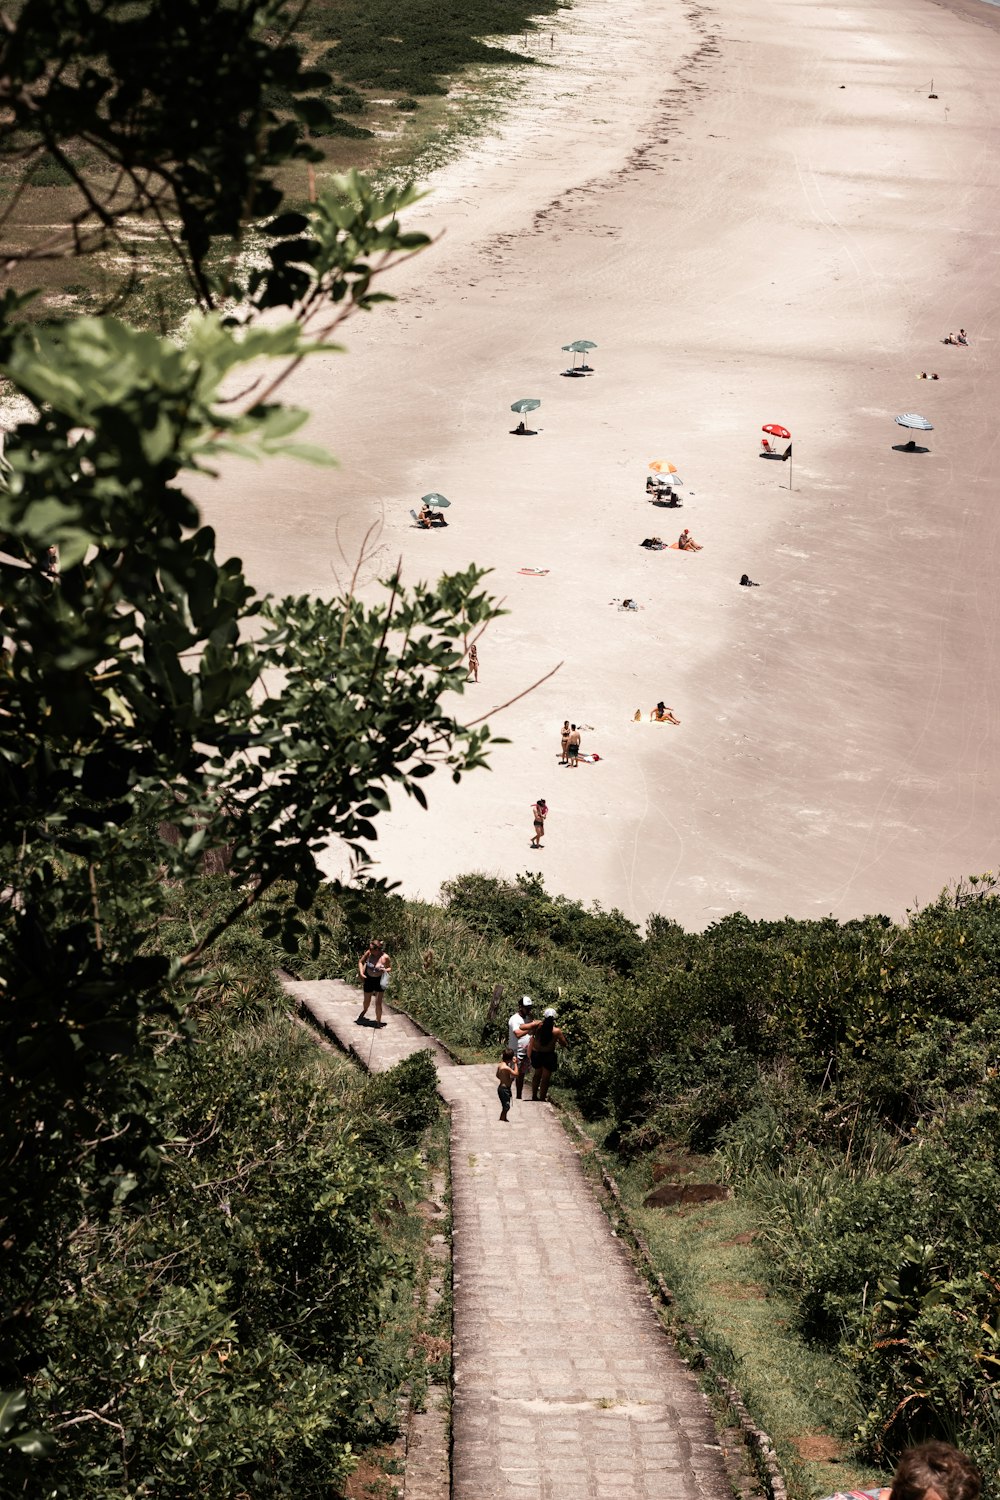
x=507, y=1072
x=573, y=745
x=563, y=742
x=539, y=812
x=519, y=1029
x=373, y=966
x=473, y=663
x=542, y=1054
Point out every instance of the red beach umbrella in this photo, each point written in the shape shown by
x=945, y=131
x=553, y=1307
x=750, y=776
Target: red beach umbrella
x=776, y=431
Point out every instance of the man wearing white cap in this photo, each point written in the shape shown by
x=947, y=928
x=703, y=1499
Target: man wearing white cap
x=519, y=1029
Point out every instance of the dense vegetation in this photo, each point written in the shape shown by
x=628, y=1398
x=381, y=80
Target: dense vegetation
x=194, y=1263
x=843, y=1076
x=240, y=1318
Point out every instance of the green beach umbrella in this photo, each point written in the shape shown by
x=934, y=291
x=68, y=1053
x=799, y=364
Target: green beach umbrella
x=580, y=346
x=436, y=501
x=526, y=404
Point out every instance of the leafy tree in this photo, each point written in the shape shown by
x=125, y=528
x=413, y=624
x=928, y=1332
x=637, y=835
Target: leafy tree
x=137, y=678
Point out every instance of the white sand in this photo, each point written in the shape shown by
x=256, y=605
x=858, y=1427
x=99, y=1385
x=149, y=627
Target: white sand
x=747, y=242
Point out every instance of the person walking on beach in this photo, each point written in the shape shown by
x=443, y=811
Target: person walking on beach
x=519, y=1029
x=373, y=966
x=473, y=663
x=542, y=1055
x=506, y=1075
x=563, y=742
x=573, y=745
x=539, y=812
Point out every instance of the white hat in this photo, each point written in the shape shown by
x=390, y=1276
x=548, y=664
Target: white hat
x=526, y=1000
x=549, y=1012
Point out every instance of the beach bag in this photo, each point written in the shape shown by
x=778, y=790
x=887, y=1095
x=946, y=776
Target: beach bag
x=384, y=982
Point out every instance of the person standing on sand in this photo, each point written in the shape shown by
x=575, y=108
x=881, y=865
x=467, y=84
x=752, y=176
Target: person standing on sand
x=573, y=745
x=539, y=812
x=473, y=663
x=563, y=742
x=373, y=966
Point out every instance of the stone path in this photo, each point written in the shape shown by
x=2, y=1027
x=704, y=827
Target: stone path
x=566, y=1387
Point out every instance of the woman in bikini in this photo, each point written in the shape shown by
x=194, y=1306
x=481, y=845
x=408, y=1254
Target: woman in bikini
x=687, y=543
x=542, y=1054
x=373, y=967
x=563, y=743
x=539, y=812
x=661, y=714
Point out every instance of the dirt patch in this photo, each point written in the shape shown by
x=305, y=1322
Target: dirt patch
x=818, y=1446
x=746, y=1238
x=434, y=1348
x=670, y=1193
x=370, y=1479
x=739, y=1291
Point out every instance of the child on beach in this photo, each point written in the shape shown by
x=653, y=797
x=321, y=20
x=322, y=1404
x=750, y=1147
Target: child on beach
x=506, y=1075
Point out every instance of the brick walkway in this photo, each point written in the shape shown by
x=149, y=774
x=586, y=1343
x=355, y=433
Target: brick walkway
x=566, y=1387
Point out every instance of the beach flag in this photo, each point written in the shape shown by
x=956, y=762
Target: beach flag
x=787, y=453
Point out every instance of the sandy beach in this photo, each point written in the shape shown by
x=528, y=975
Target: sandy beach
x=758, y=215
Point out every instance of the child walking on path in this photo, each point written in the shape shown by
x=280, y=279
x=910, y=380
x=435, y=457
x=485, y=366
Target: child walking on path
x=506, y=1074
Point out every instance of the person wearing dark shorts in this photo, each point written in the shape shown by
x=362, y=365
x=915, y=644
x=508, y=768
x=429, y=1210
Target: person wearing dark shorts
x=506, y=1073
x=542, y=1055
x=539, y=812
x=573, y=746
x=373, y=966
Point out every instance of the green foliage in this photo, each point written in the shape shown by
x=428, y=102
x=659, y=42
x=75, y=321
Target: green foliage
x=172, y=100
x=525, y=912
x=414, y=47
x=184, y=1224
x=237, y=1321
x=846, y=1076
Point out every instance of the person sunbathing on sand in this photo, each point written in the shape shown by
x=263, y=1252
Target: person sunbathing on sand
x=687, y=543
x=661, y=714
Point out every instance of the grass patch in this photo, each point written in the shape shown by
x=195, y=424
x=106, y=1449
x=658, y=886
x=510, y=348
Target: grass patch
x=720, y=1271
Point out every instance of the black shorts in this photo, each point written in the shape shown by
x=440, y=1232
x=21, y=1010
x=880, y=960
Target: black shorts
x=373, y=986
x=503, y=1094
x=546, y=1062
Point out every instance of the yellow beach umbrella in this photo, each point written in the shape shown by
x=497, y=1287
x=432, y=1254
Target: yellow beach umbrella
x=660, y=466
